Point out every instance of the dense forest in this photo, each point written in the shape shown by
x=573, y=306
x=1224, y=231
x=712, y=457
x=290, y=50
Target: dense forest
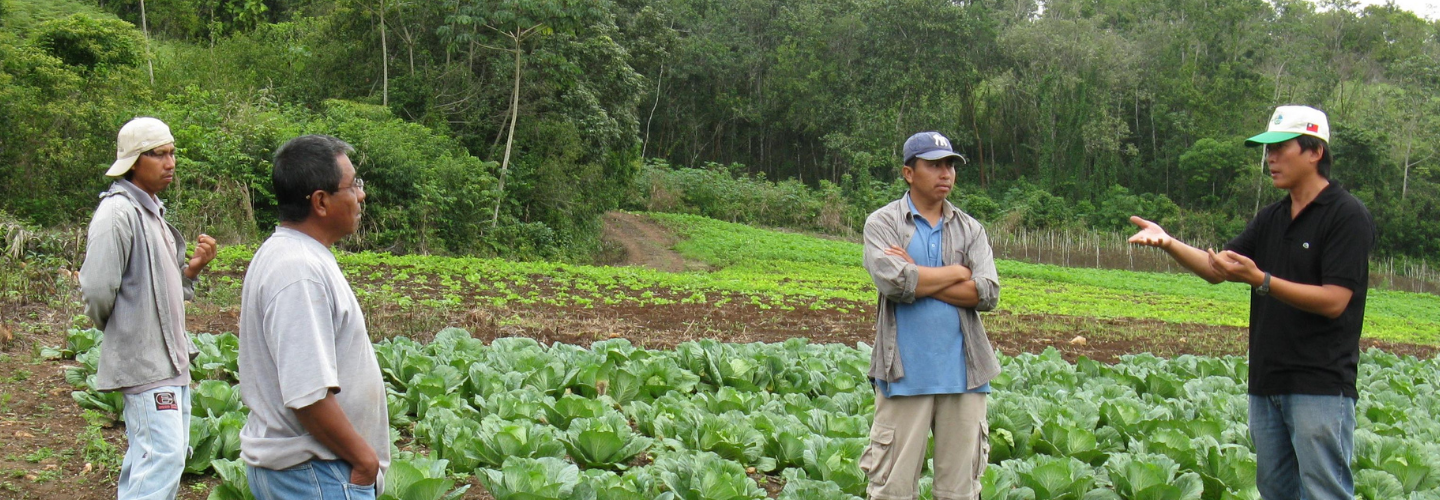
x=507, y=127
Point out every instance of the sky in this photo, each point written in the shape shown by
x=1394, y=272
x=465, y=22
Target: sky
x=1426, y=9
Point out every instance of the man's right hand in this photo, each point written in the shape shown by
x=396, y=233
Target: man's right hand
x=1150, y=234
x=364, y=474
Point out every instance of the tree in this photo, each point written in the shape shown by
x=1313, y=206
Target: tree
x=516, y=21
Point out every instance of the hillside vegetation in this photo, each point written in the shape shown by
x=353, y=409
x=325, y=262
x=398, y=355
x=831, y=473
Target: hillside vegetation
x=785, y=113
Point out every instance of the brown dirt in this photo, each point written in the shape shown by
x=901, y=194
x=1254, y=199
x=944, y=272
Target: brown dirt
x=646, y=243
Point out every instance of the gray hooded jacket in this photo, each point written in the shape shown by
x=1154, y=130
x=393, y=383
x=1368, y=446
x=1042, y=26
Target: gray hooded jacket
x=123, y=290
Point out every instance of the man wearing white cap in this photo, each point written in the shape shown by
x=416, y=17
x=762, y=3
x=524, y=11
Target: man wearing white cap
x=932, y=363
x=135, y=279
x=1307, y=259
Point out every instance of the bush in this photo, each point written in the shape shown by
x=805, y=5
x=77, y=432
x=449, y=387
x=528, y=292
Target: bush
x=718, y=192
x=91, y=44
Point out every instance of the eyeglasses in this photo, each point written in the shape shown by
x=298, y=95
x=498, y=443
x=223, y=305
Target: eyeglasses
x=358, y=183
x=159, y=155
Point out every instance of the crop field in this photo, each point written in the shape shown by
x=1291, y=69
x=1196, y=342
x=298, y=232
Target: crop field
x=711, y=420
x=783, y=272
x=743, y=377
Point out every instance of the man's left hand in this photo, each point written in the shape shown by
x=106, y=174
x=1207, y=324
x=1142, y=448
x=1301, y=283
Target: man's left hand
x=205, y=248
x=1236, y=267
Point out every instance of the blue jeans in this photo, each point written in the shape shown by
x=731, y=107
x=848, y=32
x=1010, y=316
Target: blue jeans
x=157, y=426
x=1303, y=446
x=313, y=480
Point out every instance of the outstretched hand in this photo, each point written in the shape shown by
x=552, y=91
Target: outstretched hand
x=1150, y=234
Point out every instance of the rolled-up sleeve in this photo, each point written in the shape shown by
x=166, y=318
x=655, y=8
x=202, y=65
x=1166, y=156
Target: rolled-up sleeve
x=987, y=279
x=893, y=276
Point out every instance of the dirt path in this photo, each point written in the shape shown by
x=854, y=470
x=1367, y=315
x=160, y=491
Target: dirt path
x=646, y=243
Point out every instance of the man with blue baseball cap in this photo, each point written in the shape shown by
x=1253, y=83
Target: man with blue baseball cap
x=932, y=362
x=1307, y=258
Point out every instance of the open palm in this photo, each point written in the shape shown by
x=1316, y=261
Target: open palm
x=1150, y=234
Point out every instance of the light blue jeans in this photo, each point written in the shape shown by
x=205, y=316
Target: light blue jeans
x=157, y=425
x=1303, y=446
x=313, y=480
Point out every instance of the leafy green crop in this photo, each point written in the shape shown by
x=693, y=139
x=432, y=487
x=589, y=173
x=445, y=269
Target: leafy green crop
x=523, y=416
x=545, y=478
x=704, y=476
x=420, y=478
x=604, y=441
x=234, y=485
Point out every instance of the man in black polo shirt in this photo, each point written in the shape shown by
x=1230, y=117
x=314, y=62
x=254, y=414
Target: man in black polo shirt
x=1307, y=257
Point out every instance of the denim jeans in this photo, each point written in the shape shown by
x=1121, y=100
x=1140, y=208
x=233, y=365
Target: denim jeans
x=157, y=426
x=313, y=480
x=1303, y=446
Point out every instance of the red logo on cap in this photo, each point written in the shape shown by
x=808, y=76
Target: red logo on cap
x=1312, y=128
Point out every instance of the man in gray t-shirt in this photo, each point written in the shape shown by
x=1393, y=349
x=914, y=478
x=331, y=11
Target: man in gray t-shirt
x=318, y=422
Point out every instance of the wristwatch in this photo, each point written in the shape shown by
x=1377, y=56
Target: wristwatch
x=1264, y=288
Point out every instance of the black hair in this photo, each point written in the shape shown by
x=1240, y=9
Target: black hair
x=1311, y=143
x=302, y=166
x=130, y=174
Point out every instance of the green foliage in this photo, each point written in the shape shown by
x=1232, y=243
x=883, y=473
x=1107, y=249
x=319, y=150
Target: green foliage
x=93, y=45
x=214, y=437
x=704, y=476
x=837, y=460
x=1138, y=477
x=234, y=485
x=605, y=442
x=727, y=193
x=489, y=442
x=218, y=358
x=1164, y=428
x=544, y=478
x=77, y=340
x=420, y=478
x=213, y=398
x=799, y=487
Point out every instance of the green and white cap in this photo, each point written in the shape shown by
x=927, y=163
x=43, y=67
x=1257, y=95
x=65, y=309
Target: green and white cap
x=1290, y=122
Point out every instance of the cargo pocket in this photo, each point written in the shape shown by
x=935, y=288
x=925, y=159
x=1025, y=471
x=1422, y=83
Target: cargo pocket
x=877, y=460
x=982, y=457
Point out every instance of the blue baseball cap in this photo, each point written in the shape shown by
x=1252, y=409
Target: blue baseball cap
x=930, y=146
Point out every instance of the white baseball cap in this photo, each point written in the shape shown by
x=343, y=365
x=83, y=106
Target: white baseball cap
x=138, y=136
x=1290, y=122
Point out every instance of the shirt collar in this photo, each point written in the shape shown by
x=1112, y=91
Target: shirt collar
x=1330, y=193
x=946, y=209
x=150, y=203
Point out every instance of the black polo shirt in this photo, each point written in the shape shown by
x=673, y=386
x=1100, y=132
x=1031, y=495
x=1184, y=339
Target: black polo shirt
x=1293, y=351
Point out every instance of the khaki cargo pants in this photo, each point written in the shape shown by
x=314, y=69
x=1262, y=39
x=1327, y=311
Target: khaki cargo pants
x=898, y=438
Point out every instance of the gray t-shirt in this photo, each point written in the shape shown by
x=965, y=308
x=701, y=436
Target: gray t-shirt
x=302, y=334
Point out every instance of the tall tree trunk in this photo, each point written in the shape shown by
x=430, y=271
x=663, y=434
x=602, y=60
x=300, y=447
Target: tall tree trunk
x=510, y=140
x=658, y=80
x=384, y=61
x=1405, y=179
x=145, y=29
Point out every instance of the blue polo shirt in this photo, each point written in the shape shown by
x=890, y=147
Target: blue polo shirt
x=928, y=335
